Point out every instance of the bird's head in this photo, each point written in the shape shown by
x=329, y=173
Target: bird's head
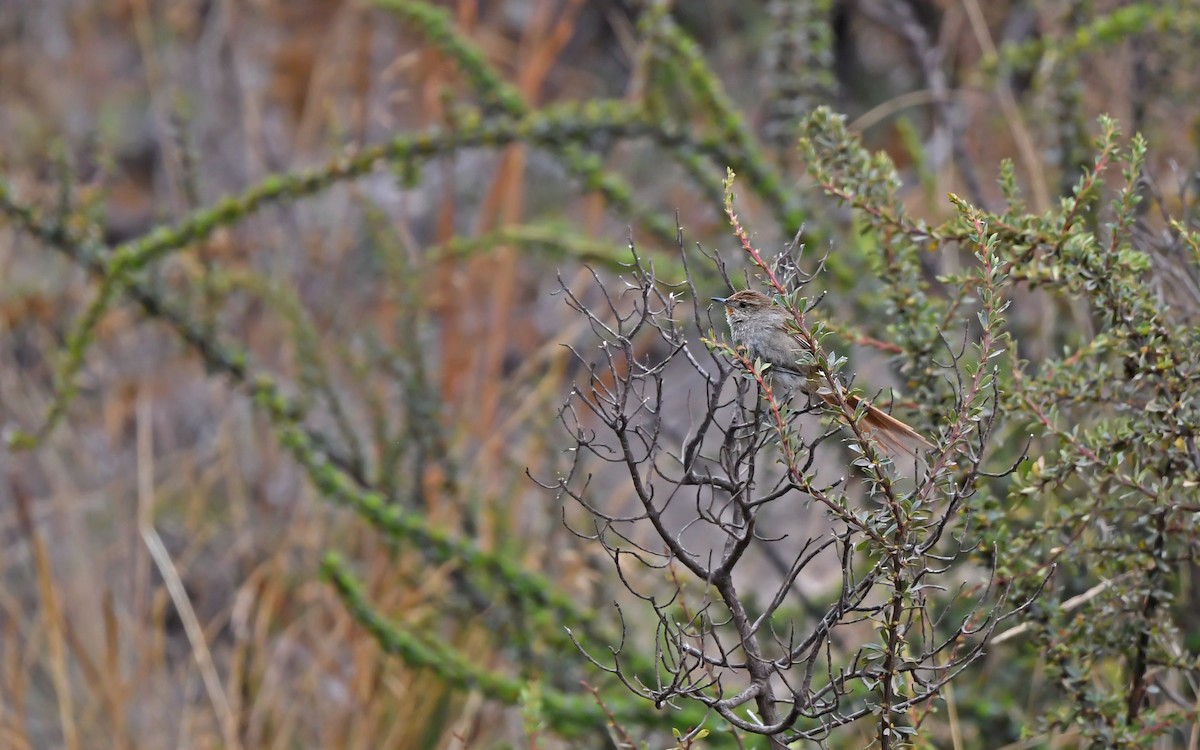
x=744, y=305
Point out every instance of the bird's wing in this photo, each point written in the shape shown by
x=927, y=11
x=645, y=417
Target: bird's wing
x=801, y=358
x=790, y=370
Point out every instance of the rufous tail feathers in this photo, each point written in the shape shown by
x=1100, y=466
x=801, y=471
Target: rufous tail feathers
x=901, y=443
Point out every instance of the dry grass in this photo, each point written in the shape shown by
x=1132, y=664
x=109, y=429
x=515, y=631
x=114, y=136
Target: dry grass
x=159, y=553
x=109, y=623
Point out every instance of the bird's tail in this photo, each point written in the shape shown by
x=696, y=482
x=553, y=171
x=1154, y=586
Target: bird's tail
x=904, y=445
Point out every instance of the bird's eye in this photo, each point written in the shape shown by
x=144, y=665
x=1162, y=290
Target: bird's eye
x=741, y=304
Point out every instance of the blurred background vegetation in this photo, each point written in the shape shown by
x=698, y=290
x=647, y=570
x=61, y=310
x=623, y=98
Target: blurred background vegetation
x=278, y=343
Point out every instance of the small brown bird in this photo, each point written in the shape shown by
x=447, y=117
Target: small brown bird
x=759, y=324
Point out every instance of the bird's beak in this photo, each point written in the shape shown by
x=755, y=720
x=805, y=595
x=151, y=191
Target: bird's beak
x=722, y=300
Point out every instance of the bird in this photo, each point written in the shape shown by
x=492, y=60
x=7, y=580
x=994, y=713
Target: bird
x=760, y=324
